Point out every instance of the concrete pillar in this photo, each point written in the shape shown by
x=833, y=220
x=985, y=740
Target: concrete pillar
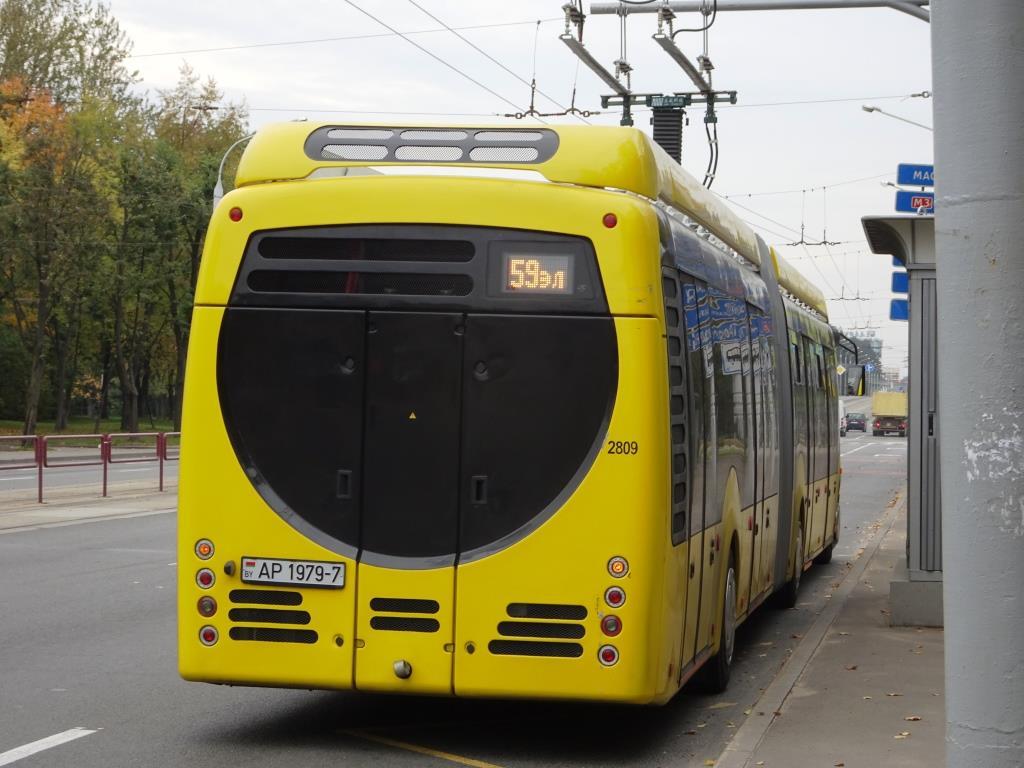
x=978, y=80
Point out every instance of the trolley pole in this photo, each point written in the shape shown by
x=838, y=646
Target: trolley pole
x=977, y=61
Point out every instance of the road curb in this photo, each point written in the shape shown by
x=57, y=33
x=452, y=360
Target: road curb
x=740, y=750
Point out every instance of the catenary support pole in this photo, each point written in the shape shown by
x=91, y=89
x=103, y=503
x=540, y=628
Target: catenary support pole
x=978, y=77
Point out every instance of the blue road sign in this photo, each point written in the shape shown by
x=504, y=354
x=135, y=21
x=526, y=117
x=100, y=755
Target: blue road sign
x=899, y=309
x=915, y=175
x=897, y=263
x=900, y=282
x=910, y=202
x=870, y=367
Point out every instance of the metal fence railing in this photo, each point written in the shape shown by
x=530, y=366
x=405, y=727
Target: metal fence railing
x=21, y=452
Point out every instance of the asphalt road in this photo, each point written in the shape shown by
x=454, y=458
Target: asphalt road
x=87, y=641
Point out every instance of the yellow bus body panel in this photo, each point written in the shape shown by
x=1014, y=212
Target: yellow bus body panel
x=428, y=653
x=626, y=253
x=620, y=509
x=218, y=502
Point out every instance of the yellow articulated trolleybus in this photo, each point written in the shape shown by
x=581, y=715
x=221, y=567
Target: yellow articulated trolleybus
x=548, y=422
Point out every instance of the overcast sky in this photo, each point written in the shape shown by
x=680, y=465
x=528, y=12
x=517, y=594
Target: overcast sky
x=877, y=56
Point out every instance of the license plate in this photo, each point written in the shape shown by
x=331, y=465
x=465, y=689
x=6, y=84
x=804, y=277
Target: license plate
x=310, y=573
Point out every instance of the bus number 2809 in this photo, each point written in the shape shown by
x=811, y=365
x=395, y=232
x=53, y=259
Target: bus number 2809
x=623, y=447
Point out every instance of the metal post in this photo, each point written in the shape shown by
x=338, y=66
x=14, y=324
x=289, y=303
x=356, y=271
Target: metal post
x=977, y=60
x=105, y=459
x=40, y=461
x=161, y=445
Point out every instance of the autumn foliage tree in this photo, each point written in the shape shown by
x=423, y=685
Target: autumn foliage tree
x=104, y=200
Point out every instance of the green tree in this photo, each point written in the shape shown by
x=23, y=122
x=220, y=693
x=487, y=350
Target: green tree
x=199, y=130
x=73, y=49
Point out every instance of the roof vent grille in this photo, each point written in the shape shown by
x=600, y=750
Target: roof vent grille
x=437, y=145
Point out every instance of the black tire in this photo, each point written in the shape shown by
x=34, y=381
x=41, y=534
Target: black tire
x=786, y=597
x=825, y=556
x=718, y=668
x=842, y=433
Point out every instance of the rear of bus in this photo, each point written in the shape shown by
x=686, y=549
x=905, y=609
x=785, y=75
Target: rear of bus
x=424, y=435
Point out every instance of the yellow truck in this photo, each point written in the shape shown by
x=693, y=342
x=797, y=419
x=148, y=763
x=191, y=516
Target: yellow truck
x=889, y=413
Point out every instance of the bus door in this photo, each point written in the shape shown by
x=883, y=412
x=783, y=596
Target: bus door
x=757, y=400
x=713, y=309
x=801, y=442
x=819, y=480
x=698, y=338
x=411, y=448
x=811, y=395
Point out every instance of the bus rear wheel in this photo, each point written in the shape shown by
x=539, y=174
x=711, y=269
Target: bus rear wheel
x=788, y=594
x=719, y=668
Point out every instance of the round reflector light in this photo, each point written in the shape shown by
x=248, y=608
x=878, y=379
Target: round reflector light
x=611, y=625
x=618, y=567
x=235, y=214
x=608, y=655
x=207, y=606
x=205, y=578
x=610, y=220
x=208, y=635
x=614, y=596
x=204, y=549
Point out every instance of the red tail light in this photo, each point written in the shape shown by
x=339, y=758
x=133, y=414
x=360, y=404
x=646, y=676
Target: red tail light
x=608, y=655
x=614, y=596
x=208, y=635
x=205, y=578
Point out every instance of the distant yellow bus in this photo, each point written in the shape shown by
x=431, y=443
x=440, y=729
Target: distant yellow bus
x=493, y=412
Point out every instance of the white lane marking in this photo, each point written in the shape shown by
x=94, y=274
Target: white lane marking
x=854, y=450
x=13, y=755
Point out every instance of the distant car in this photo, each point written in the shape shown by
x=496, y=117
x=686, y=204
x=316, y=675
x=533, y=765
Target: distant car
x=857, y=421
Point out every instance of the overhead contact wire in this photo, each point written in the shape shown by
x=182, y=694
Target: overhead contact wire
x=493, y=60
x=434, y=56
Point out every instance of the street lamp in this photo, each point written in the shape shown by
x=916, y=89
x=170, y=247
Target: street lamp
x=218, y=190
x=872, y=108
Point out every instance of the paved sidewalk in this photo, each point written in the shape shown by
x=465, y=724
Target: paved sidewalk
x=73, y=504
x=871, y=695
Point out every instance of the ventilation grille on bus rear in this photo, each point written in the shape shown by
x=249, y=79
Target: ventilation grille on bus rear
x=436, y=145
x=555, y=625
x=406, y=623
x=375, y=283
x=273, y=635
x=262, y=597
x=525, y=648
x=546, y=611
